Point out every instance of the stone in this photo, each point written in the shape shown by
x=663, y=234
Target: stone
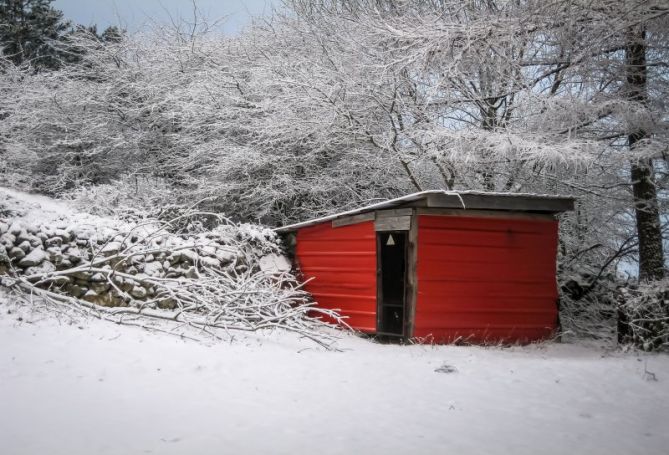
x=43, y=268
x=73, y=258
x=3, y=227
x=4, y=257
x=53, y=241
x=136, y=259
x=74, y=251
x=63, y=234
x=100, y=287
x=153, y=268
x=168, y=303
x=36, y=257
x=15, y=228
x=76, y=291
x=25, y=246
x=225, y=256
x=8, y=239
x=111, y=248
x=55, y=255
x=24, y=237
x=82, y=275
x=210, y=262
x=98, y=277
x=138, y=292
x=192, y=273
x=188, y=256
x=16, y=253
x=208, y=250
x=90, y=296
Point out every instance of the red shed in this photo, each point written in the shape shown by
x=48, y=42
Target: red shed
x=439, y=266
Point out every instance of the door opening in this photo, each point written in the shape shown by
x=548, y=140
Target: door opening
x=391, y=261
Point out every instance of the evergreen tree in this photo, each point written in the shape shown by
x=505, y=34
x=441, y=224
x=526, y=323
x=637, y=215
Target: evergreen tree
x=112, y=34
x=28, y=30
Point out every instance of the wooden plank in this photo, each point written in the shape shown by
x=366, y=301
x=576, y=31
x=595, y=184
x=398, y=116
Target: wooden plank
x=353, y=219
x=394, y=223
x=393, y=212
x=411, y=283
x=486, y=213
x=500, y=202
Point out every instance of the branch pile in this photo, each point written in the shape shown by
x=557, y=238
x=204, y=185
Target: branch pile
x=231, y=278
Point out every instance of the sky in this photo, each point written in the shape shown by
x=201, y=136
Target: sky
x=132, y=14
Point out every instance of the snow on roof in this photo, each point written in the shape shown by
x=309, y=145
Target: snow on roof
x=565, y=203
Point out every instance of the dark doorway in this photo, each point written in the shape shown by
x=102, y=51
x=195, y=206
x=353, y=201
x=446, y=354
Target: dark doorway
x=391, y=250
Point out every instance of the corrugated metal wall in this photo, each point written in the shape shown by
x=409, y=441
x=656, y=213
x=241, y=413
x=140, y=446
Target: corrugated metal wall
x=486, y=279
x=342, y=263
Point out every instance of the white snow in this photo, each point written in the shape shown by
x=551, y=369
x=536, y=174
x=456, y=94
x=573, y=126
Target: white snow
x=34, y=207
x=98, y=388
x=274, y=263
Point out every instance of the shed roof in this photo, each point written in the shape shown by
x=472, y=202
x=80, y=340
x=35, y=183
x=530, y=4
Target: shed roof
x=464, y=200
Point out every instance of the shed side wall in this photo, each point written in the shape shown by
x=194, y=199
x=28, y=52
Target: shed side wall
x=341, y=263
x=486, y=279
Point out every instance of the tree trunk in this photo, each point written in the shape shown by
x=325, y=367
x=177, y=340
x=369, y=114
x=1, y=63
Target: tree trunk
x=651, y=255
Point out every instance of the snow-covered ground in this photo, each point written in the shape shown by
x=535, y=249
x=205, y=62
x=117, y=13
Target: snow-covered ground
x=95, y=387
x=86, y=386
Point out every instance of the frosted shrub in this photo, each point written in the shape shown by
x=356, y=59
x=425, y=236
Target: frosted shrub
x=645, y=316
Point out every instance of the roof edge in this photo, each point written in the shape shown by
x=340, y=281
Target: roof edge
x=464, y=200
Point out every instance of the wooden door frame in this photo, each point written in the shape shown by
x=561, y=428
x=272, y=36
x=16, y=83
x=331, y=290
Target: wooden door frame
x=410, y=280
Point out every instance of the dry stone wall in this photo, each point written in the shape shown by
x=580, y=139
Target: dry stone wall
x=111, y=265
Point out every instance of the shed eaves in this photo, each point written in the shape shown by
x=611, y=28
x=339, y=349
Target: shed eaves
x=478, y=200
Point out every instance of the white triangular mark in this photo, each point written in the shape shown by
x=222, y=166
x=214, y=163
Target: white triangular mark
x=390, y=241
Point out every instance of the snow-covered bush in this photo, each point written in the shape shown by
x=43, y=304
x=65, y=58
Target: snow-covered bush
x=588, y=304
x=131, y=197
x=644, y=313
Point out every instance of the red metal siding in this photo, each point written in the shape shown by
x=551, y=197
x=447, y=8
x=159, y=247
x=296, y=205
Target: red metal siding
x=342, y=264
x=486, y=279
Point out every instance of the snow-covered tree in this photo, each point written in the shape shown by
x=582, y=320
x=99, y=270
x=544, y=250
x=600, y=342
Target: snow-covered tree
x=330, y=104
x=28, y=30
